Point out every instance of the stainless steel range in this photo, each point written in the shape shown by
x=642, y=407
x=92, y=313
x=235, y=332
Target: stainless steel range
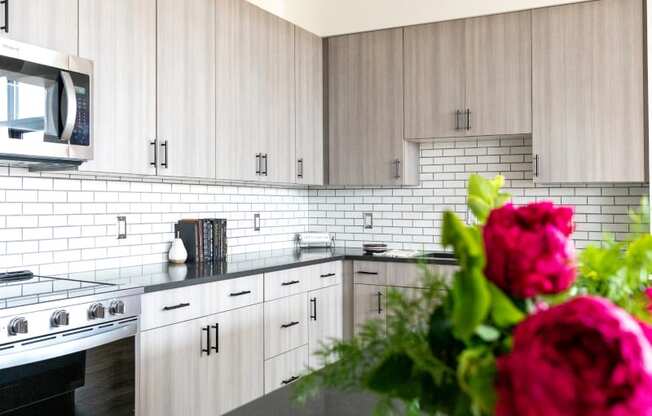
x=62, y=343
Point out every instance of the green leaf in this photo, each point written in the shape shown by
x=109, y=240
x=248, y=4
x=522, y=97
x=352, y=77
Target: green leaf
x=487, y=333
x=484, y=195
x=476, y=376
x=503, y=311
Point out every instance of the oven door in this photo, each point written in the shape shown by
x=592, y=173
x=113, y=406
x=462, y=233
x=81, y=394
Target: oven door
x=96, y=377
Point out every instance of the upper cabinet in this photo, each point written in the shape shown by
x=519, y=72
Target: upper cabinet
x=588, y=92
x=120, y=37
x=186, y=88
x=256, y=99
x=365, y=110
x=50, y=24
x=468, y=77
x=309, y=92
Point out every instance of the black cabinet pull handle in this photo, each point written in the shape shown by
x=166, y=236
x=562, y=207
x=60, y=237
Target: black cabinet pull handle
x=328, y=275
x=155, y=147
x=244, y=292
x=216, y=348
x=380, y=307
x=468, y=119
x=257, y=163
x=458, y=113
x=264, y=170
x=313, y=316
x=5, y=27
x=290, y=380
x=397, y=168
x=300, y=168
x=292, y=282
x=536, y=165
x=290, y=324
x=164, y=163
x=207, y=350
x=179, y=306
x=369, y=273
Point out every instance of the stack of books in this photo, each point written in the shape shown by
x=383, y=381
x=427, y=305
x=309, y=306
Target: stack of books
x=205, y=239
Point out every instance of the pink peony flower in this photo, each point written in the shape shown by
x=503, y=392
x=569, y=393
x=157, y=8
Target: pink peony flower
x=585, y=357
x=528, y=249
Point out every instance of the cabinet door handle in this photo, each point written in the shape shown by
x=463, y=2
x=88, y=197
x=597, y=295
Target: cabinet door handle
x=290, y=283
x=328, y=275
x=244, y=292
x=264, y=157
x=290, y=380
x=536, y=166
x=300, y=168
x=207, y=350
x=258, y=164
x=368, y=273
x=216, y=348
x=179, y=306
x=380, y=306
x=468, y=119
x=290, y=324
x=458, y=114
x=155, y=147
x=313, y=315
x=397, y=168
x=5, y=27
x=164, y=163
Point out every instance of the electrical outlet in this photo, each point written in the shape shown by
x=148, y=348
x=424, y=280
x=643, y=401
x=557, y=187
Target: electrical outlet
x=122, y=228
x=256, y=222
x=368, y=220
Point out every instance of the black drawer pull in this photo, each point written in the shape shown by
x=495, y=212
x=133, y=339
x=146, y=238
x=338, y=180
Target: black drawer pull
x=369, y=273
x=293, y=282
x=207, y=350
x=216, y=348
x=244, y=292
x=290, y=324
x=380, y=303
x=290, y=380
x=313, y=303
x=179, y=306
x=328, y=275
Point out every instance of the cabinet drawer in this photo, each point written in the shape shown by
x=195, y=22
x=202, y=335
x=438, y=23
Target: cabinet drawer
x=285, y=368
x=326, y=274
x=287, y=282
x=243, y=291
x=370, y=272
x=176, y=305
x=286, y=325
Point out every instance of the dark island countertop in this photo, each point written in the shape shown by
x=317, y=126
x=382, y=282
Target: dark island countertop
x=156, y=277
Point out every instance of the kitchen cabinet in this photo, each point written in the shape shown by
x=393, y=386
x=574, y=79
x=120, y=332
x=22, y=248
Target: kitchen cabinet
x=119, y=36
x=286, y=324
x=256, y=99
x=588, y=92
x=468, y=77
x=368, y=303
x=285, y=369
x=326, y=320
x=309, y=93
x=205, y=366
x=185, y=31
x=46, y=23
x=365, y=111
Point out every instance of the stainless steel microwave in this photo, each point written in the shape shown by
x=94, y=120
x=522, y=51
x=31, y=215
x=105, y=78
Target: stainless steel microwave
x=45, y=108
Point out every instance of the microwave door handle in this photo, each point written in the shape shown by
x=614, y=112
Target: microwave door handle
x=69, y=102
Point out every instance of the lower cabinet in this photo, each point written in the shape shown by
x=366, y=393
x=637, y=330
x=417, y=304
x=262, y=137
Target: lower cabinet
x=285, y=369
x=205, y=366
x=326, y=321
x=369, y=302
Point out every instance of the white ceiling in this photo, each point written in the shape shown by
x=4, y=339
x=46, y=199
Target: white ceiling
x=336, y=17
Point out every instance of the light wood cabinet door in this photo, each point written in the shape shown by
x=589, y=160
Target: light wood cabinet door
x=434, y=80
x=255, y=103
x=369, y=302
x=285, y=369
x=498, y=74
x=309, y=90
x=588, y=100
x=186, y=88
x=286, y=324
x=326, y=320
x=51, y=24
x=239, y=357
x=365, y=95
x=119, y=36
x=174, y=372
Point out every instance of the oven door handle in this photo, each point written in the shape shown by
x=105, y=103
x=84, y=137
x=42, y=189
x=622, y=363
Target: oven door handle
x=69, y=103
x=57, y=345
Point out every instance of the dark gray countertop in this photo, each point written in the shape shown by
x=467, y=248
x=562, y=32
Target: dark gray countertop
x=157, y=277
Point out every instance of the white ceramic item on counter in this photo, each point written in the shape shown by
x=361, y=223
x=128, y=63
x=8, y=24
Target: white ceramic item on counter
x=178, y=253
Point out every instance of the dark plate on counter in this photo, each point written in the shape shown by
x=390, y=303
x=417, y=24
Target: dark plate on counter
x=372, y=248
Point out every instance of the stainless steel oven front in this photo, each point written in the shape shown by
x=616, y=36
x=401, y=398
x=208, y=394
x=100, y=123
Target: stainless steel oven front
x=45, y=107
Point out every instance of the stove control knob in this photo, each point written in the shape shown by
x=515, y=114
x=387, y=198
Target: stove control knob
x=60, y=318
x=117, y=307
x=18, y=326
x=96, y=311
